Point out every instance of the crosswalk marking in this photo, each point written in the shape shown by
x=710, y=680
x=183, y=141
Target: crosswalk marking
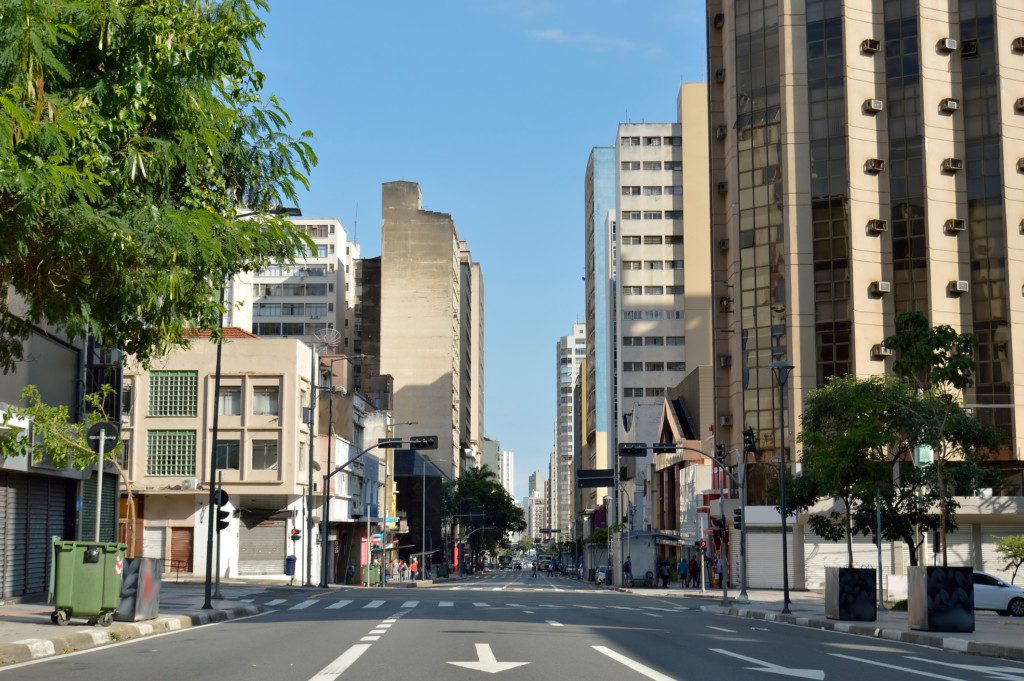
x=410, y=604
x=373, y=604
x=338, y=604
x=370, y=638
x=588, y=607
x=445, y=604
x=303, y=605
x=246, y=600
x=343, y=662
x=482, y=605
x=277, y=601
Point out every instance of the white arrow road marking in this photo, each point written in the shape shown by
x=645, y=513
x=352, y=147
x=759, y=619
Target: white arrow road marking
x=892, y=666
x=633, y=664
x=771, y=668
x=488, y=663
x=1009, y=673
x=728, y=631
x=343, y=662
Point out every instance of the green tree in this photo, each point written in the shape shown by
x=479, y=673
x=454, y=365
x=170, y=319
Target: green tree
x=1012, y=550
x=130, y=130
x=478, y=491
x=525, y=544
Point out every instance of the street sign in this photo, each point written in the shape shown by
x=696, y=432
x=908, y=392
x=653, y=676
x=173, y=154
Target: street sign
x=391, y=519
x=109, y=431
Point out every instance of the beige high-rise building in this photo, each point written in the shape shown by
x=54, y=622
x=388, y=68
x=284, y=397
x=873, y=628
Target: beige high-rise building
x=866, y=160
x=428, y=324
x=570, y=352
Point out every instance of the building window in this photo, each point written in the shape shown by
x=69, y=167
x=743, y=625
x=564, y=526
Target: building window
x=654, y=340
x=316, y=309
x=652, y=141
x=630, y=215
x=653, y=265
x=227, y=454
x=654, y=366
x=293, y=329
x=673, y=215
x=652, y=240
x=264, y=455
x=171, y=453
x=673, y=190
x=632, y=315
x=292, y=309
x=654, y=290
x=674, y=141
x=674, y=239
x=632, y=392
x=674, y=165
x=630, y=165
x=631, y=265
x=267, y=329
x=652, y=191
x=173, y=393
x=655, y=392
x=675, y=290
x=673, y=314
x=632, y=366
x=673, y=264
x=629, y=141
x=230, y=401
x=676, y=366
x=632, y=341
x=652, y=165
x=675, y=340
x=316, y=290
x=652, y=215
x=630, y=190
x=266, y=400
x=632, y=290
x=652, y=315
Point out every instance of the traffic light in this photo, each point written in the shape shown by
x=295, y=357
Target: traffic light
x=663, y=448
x=719, y=531
x=423, y=442
x=222, y=519
x=702, y=544
x=632, y=449
x=296, y=534
x=737, y=518
x=749, y=440
x=220, y=497
x=720, y=452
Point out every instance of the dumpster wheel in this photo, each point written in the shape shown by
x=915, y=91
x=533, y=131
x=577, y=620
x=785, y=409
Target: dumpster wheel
x=59, y=617
x=106, y=619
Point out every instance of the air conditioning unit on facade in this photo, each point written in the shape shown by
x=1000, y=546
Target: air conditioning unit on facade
x=723, y=187
x=874, y=166
x=1020, y=165
x=880, y=352
x=880, y=288
x=955, y=226
x=725, y=361
x=959, y=287
x=721, y=132
x=1018, y=45
x=719, y=20
x=949, y=105
x=190, y=484
x=947, y=45
x=952, y=165
x=877, y=226
x=725, y=420
x=873, y=106
x=723, y=245
x=725, y=304
x=1018, y=106
x=870, y=46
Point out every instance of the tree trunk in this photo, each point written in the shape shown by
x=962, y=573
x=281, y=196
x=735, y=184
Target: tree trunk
x=942, y=510
x=908, y=539
x=849, y=532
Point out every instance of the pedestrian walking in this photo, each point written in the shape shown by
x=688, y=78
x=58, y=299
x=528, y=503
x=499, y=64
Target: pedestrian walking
x=350, y=574
x=665, y=572
x=693, y=572
x=627, y=569
x=720, y=567
x=414, y=567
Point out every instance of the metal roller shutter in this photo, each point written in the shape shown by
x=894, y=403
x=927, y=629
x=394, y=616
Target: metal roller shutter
x=33, y=509
x=764, y=559
x=153, y=544
x=992, y=561
x=820, y=554
x=17, y=528
x=261, y=546
x=5, y=550
x=181, y=549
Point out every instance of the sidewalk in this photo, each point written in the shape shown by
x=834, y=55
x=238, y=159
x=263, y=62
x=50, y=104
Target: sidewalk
x=26, y=632
x=993, y=635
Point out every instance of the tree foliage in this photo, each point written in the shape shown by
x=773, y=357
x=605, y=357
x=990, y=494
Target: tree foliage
x=479, y=501
x=130, y=130
x=1012, y=550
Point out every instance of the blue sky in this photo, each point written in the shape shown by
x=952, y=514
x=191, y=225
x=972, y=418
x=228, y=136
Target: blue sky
x=492, y=107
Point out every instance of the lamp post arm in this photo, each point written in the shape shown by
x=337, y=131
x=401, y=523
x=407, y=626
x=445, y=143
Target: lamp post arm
x=358, y=456
x=714, y=461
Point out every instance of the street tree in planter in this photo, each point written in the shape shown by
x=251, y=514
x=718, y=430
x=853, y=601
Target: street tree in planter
x=1012, y=551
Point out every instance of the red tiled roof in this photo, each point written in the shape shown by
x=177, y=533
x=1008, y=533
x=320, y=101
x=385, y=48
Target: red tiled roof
x=229, y=332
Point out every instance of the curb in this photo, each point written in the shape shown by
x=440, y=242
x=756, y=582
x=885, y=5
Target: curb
x=38, y=648
x=921, y=638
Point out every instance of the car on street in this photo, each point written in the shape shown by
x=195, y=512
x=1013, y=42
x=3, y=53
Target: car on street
x=992, y=593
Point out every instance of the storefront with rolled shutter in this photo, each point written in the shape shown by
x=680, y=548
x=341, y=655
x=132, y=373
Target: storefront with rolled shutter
x=33, y=510
x=262, y=541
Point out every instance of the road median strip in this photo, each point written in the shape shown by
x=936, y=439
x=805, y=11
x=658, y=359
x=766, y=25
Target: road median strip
x=30, y=649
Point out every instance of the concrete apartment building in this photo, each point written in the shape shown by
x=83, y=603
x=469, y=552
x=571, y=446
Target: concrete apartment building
x=301, y=298
x=506, y=471
x=427, y=325
x=570, y=352
x=865, y=160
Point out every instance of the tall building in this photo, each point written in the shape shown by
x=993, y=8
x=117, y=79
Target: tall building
x=570, y=351
x=506, y=471
x=599, y=245
x=534, y=483
x=865, y=158
x=304, y=297
x=366, y=322
x=427, y=326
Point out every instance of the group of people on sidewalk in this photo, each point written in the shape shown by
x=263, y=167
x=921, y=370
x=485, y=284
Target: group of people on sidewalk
x=688, y=571
x=396, y=570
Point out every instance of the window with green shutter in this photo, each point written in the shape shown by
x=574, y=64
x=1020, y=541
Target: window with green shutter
x=171, y=453
x=173, y=393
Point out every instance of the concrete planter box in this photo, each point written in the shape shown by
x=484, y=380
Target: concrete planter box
x=940, y=598
x=850, y=594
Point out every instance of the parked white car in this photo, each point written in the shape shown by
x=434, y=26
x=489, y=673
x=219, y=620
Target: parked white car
x=992, y=593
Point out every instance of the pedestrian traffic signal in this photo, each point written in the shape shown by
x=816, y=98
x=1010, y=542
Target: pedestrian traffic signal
x=296, y=534
x=720, y=452
x=222, y=519
x=749, y=440
x=702, y=544
x=737, y=518
x=423, y=442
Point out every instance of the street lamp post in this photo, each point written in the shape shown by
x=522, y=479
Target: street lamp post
x=781, y=370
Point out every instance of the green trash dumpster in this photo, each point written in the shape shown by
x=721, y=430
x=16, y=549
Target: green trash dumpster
x=371, y=574
x=86, y=580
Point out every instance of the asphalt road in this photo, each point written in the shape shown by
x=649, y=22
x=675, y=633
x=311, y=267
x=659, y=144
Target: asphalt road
x=505, y=623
